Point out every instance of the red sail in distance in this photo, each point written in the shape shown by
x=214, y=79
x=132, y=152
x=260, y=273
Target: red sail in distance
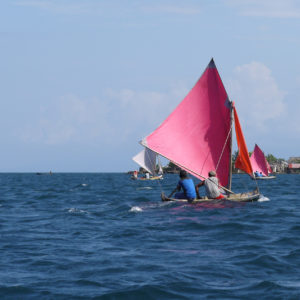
x=242, y=161
x=258, y=161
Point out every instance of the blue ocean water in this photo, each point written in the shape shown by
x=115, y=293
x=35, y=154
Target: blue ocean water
x=104, y=236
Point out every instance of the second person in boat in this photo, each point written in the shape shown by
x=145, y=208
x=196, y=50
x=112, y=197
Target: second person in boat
x=211, y=187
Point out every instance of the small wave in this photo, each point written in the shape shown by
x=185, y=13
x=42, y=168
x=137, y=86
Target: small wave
x=77, y=211
x=291, y=284
x=135, y=209
x=263, y=199
x=145, y=188
x=78, y=186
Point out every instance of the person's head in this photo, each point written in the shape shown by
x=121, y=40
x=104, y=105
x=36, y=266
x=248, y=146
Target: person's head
x=183, y=174
x=211, y=173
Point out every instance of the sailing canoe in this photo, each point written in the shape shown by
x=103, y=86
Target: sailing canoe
x=197, y=135
x=239, y=197
x=264, y=178
x=159, y=177
x=260, y=164
x=148, y=160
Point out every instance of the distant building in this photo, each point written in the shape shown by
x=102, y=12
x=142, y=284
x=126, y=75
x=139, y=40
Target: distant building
x=294, y=160
x=293, y=168
x=279, y=167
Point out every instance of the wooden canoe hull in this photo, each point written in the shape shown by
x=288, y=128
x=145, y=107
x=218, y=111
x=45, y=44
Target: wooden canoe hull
x=240, y=197
x=151, y=178
x=264, y=178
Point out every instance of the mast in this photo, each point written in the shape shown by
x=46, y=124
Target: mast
x=230, y=158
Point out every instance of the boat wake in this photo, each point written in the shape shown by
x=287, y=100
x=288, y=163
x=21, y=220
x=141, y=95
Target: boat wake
x=262, y=198
x=150, y=206
x=136, y=209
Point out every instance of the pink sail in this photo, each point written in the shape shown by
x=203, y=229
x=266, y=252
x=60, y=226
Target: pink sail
x=269, y=168
x=258, y=161
x=196, y=135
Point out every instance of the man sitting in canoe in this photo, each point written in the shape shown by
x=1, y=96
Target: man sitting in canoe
x=187, y=185
x=211, y=187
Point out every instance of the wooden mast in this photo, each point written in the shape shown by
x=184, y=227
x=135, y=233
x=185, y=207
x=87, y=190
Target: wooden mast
x=230, y=158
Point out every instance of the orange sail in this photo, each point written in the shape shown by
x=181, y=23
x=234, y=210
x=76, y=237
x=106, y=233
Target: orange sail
x=242, y=161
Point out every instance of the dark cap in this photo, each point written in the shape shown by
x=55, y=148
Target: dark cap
x=183, y=174
x=212, y=173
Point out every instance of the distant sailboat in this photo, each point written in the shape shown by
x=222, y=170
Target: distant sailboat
x=260, y=165
x=197, y=135
x=148, y=160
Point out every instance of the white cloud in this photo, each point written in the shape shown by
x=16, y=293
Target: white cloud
x=69, y=119
x=173, y=8
x=257, y=96
x=63, y=6
x=146, y=109
x=110, y=119
x=267, y=8
x=98, y=7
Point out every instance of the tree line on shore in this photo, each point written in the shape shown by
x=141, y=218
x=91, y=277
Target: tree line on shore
x=279, y=165
x=272, y=160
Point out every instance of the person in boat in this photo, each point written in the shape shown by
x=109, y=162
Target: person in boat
x=211, y=187
x=186, y=184
x=257, y=174
x=135, y=174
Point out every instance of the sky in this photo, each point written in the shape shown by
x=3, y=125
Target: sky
x=83, y=81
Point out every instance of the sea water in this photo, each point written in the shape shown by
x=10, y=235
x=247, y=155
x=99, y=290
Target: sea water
x=94, y=236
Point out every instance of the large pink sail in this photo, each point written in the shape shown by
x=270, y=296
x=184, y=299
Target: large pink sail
x=258, y=161
x=196, y=135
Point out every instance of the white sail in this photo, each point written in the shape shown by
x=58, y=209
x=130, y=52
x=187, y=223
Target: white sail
x=147, y=160
x=160, y=169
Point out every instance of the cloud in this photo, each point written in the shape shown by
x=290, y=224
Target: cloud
x=267, y=8
x=257, y=96
x=99, y=7
x=110, y=119
x=63, y=6
x=140, y=112
x=69, y=119
x=173, y=9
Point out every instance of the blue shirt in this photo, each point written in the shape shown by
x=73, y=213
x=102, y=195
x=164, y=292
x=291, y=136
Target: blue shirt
x=188, y=187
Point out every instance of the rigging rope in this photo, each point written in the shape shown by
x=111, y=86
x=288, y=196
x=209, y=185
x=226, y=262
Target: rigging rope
x=224, y=147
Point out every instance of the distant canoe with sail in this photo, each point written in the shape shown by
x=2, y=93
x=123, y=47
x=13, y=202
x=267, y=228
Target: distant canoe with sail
x=260, y=164
x=149, y=161
x=197, y=135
